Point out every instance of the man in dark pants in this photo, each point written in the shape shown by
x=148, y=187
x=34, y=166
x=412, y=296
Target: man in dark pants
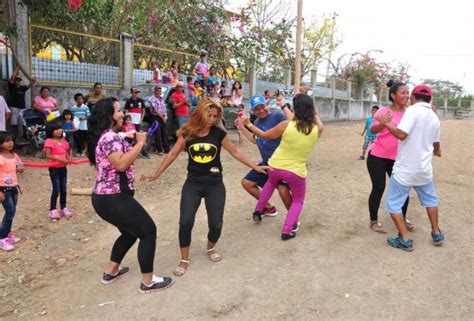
x=159, y=113
x=16, y=101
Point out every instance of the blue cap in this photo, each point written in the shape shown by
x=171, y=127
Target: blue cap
x=256, y=100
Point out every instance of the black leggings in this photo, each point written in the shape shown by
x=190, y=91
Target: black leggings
x=194, y=189
x=378, y=167
x=132, y=220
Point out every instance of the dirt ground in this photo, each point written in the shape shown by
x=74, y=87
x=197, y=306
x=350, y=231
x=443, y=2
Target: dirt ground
x=336, y=268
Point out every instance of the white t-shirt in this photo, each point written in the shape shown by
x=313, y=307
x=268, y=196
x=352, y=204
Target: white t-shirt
x=415, y=153
x=3, y=110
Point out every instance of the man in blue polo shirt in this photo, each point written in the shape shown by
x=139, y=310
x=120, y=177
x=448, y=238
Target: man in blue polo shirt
x=253, y=181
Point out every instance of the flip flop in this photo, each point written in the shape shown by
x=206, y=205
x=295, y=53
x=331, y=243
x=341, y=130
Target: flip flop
x=377, y=227
x=179, y=271
x=215, y=257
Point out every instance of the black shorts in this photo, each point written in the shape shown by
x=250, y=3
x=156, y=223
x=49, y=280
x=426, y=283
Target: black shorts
x=261, y=179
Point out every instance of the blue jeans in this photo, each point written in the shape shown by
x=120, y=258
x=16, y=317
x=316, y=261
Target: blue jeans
x=182, y=120
x=59, y=180
x=9, y=204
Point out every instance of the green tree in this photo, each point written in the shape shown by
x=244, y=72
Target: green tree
x=445, y=88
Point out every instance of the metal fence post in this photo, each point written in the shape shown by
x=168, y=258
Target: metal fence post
x=127, y=62
x=313, y=81
x=333, y=91
x=253, y=80
x=349, y=90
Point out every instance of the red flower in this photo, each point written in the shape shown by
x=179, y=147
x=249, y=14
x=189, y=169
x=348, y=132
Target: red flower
x=74, y=4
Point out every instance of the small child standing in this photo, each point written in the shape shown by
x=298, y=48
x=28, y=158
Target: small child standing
x=67, y=120
x=81, y=113
x=369, y=136
x=10, y=165
x=57, y=150
x=198, y=91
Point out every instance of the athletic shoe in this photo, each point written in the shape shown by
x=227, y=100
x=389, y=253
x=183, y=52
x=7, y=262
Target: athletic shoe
x=157, y=284
x=66, y=213
x=399, y=243
x=270, y=212
x=438, y=238
x=296, y=227
x=54, y=214
x=257, y=217
x=13, y=238
x=110, y=278
x=6, y=245
x=286, y=237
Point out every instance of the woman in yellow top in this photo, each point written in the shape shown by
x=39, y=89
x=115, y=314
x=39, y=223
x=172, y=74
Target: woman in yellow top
x=288, y=162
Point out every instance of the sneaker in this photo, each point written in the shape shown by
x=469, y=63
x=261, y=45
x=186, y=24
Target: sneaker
x=286, y=237
x=361, y=158
x=157, y=284
x=66, y=213
x=54, y=214
x=257, y=217
x=438, y=238
x=295, y=228
x=6, y=245
x=110, y=278
x=399, y=243
x=270, y=212
x=13, y=238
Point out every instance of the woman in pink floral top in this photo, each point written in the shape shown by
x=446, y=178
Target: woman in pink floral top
x=112, y=197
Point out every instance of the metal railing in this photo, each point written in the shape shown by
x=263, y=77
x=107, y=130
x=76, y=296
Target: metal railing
x=60, y=57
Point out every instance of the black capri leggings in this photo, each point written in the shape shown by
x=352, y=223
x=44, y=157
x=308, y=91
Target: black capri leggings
x=195, y=188
x=132, y=220
x=377, y=168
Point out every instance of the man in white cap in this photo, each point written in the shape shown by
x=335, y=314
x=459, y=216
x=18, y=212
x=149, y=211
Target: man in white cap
x=253, y=181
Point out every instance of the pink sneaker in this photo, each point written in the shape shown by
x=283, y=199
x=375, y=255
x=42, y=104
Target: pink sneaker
x=13, y=238
x=66, y=213
x=271, y=212
x=54, y=214
x=6, y=245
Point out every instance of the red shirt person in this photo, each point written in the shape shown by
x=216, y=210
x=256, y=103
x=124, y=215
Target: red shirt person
x=180, y=104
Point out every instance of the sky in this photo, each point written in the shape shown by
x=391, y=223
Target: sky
x=433, y=38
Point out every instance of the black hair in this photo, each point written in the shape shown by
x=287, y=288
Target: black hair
x=305, y=114
x=43, y=88
x=375, y=107
x=265, y=92
x=5, y=137
x=77, y=96
x=101, y=119
x=51, y=127
x=233, y=85
x=423, y=98
x=67, y=112
x=128, y=116
x=394, y=85
x=202, y=55
x=97, y=84
x=189, y=78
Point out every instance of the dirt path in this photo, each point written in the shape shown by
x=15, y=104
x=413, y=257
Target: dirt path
x=336, y=268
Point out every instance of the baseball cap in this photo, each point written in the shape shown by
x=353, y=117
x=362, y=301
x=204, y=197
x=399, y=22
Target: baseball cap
x=422, y=90
x=256, y=100
x=157, y=87
x=135, y=90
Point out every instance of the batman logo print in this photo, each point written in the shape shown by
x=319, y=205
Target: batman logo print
x=202, y=152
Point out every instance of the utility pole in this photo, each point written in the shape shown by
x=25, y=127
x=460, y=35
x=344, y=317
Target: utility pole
x=331, y=43
x=299, y=31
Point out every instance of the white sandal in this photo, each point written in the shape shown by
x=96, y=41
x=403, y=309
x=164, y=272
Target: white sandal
x=179, y=271
x=215, y=257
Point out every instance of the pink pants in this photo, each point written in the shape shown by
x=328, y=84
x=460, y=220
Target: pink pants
x=298, y=189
